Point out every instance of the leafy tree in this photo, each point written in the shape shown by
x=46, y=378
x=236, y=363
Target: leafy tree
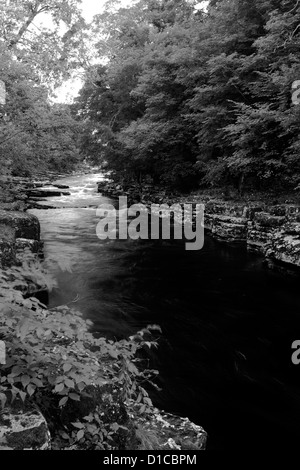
x=192, y=97
x=52, y=51
x=33, y=134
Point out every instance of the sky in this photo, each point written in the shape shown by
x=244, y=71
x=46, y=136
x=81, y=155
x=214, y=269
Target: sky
x=91, y=8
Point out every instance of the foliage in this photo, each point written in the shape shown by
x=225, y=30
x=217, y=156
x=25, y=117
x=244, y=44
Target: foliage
x=36, y=135
x=191, y=97
x=33, y=134
x=52, y=48
x=53, y=357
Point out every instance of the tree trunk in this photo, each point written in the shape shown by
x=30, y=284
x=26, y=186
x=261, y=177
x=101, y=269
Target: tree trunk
x=22, y=30
x=34, y=12
x=241, y=184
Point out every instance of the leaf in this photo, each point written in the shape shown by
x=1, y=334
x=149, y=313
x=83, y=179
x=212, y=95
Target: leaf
x=143, y=408
x=31, y=389
x=101, y=382
x=23, y=328
x=80, y=434
x=89, y=418
x=154, y=328
x=37, y=381
x=92, y=428
x=16, y=370
x=62, y=402
x=22, y=395
x=25, y=380
x=147, y=401
x=114, y=427
x=78, y=425
x=59, y=388
x=69, y=383
x=3, y=399
x=59, y=379
x=114, y=354
x=67, y=367
x=74, y=396
x=81, y=386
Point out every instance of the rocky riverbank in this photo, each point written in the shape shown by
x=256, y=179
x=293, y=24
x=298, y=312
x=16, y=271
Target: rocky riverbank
x=43, y=424
x=271, y=229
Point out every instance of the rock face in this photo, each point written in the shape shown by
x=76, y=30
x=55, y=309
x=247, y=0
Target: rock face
x=227, y=227
x=34, y=246
x=276, y=234
x=165, y=431
x=285, y=245
x=273, y=231
x=44, y=192
x=21, y=430
x=15, y=228
x=25, y=225
x=152, y=431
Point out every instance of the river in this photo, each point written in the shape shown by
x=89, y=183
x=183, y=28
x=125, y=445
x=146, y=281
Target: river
x=227, y=321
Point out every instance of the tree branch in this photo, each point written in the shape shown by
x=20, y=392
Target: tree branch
x=23, y=29
x=294, y=8
x=11, y=137
x=294, y=32
x=35, y=10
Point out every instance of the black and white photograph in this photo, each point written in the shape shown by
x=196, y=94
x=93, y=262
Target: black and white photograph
x=149, y=228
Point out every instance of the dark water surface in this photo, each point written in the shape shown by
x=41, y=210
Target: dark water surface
x=227, y=321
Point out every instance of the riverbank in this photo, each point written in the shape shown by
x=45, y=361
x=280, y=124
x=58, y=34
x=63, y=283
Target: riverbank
x=269, y=226
x=62, y=370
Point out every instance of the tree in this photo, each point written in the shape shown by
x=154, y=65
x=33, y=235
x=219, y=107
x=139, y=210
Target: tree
x=34, y=135
x=52, y=51
x=192, y=97
x=130, y=107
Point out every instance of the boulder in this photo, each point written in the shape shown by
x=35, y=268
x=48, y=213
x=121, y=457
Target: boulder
x=25, y=225
x=23, y=430
x=165, y=431
x=61, y=186
x=44, y=192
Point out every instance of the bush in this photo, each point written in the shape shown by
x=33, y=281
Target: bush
x=53, y=360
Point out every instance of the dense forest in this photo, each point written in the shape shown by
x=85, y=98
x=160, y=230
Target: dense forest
x=175, y=94
x=37, y=134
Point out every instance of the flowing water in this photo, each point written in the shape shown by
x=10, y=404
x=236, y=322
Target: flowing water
x=227, y=321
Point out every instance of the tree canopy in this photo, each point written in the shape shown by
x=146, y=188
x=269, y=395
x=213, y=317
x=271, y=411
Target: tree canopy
x=190, y=97
x=35, y=134
x=179, y=95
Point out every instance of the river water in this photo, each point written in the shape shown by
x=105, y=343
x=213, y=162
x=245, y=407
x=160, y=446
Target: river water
x=227, y=321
